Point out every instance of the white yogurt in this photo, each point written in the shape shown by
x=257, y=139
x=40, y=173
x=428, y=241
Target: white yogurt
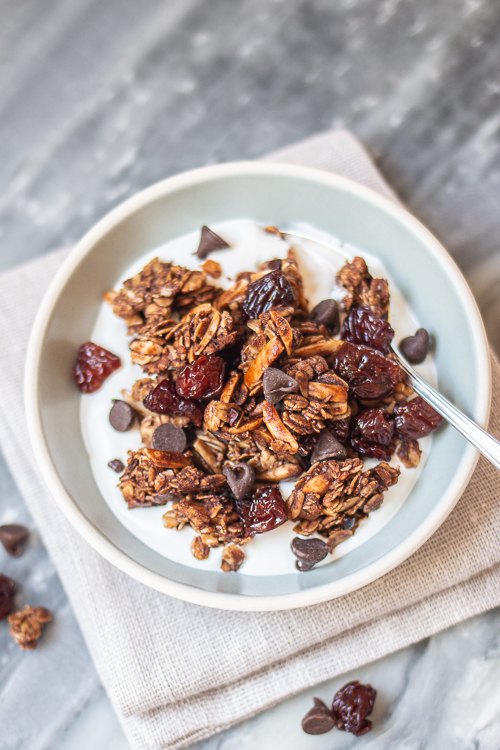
x=266, y=554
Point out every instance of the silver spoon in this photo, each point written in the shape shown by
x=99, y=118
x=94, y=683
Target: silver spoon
x=480, y=439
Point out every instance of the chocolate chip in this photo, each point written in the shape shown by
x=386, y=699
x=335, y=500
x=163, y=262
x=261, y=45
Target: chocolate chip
x=277, y=385
x=319, y=719
x=169, y=437
x=415, y=348
x=328, y=447
x=326, y=313
x=209, y=241
x=116, y=465
x=121, y=416
x=348, y=522
x=309, y=552
x=12, y=536
x=241, y=479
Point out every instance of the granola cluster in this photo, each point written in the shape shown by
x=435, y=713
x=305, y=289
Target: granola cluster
x=246, y=387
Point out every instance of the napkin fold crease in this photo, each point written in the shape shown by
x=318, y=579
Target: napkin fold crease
x=177, y=672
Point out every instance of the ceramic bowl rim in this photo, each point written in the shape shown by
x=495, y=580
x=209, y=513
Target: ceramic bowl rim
x=186, y=592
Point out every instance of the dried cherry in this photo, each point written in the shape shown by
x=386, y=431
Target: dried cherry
x=361, y=326
x=415, y=419
x=372, y=433
x=164, y=399
x=93, y=365
x=369, y=374
x=264, y=511
x=351, y=705
x=268, y=291
x=7, y=592
x=203, y=378
x=339, y=428
x=375, y=425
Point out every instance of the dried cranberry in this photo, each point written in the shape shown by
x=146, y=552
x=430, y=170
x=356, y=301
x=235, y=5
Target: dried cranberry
x=93, y=365
x=268, y=291
x=339, y=428
x=264, y=511
x=351, y=705
x=203, y=378
x=415, y=419
x=361, y=326
x=369, y=374
x=164, y=399
x=7, y=592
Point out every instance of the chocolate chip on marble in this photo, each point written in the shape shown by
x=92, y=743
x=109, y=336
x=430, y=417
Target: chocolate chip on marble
x=241, y=479
x=328, y=447
x=319, y=719
x=309, y=552
x=121, y=416
x=209, y=241
x=169, y=437
x=415, y=348
x=326, y=313
x=12, y=536
x=277, y=385
x=116, y=465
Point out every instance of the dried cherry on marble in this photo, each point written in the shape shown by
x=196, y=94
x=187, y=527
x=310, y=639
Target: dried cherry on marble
x=268, y=291
x=369, y=374
x=351, y=705
x=264, y=511
x=203, y=378
x=93, y=365
x=361, y=326
x=164, y=399
x=415, y=419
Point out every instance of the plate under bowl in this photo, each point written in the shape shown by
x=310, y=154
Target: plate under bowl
x=277, y=194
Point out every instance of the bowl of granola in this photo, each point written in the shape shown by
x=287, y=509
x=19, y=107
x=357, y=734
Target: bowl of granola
x=237, y=431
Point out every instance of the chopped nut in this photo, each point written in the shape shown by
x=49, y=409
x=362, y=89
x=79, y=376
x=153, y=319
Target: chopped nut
x=409, y=453
x=27, y=625
x=232, y=557
x=212, y=268
x=199, y=549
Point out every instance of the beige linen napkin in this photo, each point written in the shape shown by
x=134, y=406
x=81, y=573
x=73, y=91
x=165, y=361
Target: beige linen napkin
x=177, y=672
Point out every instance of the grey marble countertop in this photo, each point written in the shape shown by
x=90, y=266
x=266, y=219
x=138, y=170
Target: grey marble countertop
x=99, y=98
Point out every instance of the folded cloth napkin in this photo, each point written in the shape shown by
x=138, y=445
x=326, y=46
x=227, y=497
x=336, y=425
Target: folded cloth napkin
x=176, y=672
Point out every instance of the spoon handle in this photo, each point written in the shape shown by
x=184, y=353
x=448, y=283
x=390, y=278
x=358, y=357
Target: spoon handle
x=485, y=443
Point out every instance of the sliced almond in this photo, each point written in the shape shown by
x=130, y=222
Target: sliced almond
x=166, y=459
x=279, y=473
x=321, y=348
x=327, y=392
x=277, y=428
x=264, y=359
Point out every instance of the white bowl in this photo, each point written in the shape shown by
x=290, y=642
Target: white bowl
x=275, y=194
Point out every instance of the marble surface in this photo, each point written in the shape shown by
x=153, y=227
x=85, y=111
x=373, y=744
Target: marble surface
x=100, y=98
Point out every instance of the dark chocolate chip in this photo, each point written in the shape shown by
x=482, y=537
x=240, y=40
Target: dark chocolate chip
x=319, y=719
x=121, y=416
x=277, y=385
x=169, y=437
x=415, y=348
x=12, y=536
x=328, y=447
x=348, y=522
x=209, y=241
x=116, y=465
x=309, y=552
x=326, y=313
x=241, y=479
